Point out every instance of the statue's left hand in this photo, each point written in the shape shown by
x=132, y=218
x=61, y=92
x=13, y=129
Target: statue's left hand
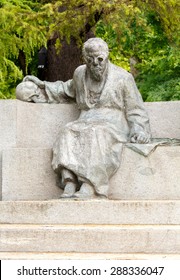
x=35, y=80
x=140, y=138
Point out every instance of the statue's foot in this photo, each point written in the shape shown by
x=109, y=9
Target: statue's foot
x=86, y=192
x=69, y=190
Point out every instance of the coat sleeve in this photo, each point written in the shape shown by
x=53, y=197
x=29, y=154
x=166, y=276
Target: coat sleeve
x=60, y=92
x=136, y=114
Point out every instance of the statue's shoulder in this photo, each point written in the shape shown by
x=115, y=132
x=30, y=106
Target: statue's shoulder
x=80, y=70
x=120, y=72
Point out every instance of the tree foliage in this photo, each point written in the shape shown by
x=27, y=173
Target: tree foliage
x=147, y=30
x=157, y=57
x=21, y=30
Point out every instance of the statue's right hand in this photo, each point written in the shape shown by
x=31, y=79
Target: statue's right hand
x=35, y=80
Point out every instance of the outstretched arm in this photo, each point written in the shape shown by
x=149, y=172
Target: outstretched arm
x=33, y=89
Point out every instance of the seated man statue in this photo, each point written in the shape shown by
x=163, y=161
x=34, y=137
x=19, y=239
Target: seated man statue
x=88, y=151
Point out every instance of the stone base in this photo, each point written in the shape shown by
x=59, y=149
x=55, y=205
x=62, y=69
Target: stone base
x=92, y=212
x=82, y=212
x=91, y=239
x=91, y=227
x=144, y=221
x=36, y=126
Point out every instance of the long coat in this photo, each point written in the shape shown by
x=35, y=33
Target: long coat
x=91, y=146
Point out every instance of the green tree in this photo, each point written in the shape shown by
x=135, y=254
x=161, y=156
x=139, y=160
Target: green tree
x=27, y=25
x=21, y=32
x=156, y=58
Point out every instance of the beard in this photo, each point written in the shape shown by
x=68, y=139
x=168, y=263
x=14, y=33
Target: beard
x=96, y=72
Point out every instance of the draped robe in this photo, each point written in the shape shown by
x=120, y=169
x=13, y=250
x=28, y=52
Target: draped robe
x=91, y=146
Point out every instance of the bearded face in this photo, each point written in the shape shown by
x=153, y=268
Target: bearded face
x=96, y=63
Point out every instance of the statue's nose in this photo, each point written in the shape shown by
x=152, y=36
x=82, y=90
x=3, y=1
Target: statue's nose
x=95, y=61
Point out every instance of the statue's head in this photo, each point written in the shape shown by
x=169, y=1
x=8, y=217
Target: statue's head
x=95, y=53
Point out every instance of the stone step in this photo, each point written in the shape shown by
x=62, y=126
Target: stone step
x=84, y=256
x=116, y=239
x=27, y=175
x=94, y=212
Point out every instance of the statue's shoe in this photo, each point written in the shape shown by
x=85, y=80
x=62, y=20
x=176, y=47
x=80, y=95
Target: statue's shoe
x=82, y=196
x=79, y=195
x=87, y=192
x=66, y=195
x=69, y=190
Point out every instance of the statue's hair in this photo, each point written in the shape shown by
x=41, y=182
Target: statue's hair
x=93, y=43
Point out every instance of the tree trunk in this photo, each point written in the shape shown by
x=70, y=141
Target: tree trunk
x=61, y=66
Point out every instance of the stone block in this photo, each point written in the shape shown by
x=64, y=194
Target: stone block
x=164, y=118
x=154, y=177
x=7, y=129
x=0, y=173
x=27, y=175
x=109, y=212
x=8, y=116
x=90, y=239
x=39, y=124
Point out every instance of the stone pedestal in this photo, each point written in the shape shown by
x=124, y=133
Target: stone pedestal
x=140, y=221
x=103, y=229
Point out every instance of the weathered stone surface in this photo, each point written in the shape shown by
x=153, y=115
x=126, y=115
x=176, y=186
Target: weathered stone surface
x=154, y=177
x=27, y=175
x=164, y=118
x=30, y=229
x=8, y=123
x=82, y=212
x=0, y=173
x=7, y=129
x=38, y=124
x=90, y=239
